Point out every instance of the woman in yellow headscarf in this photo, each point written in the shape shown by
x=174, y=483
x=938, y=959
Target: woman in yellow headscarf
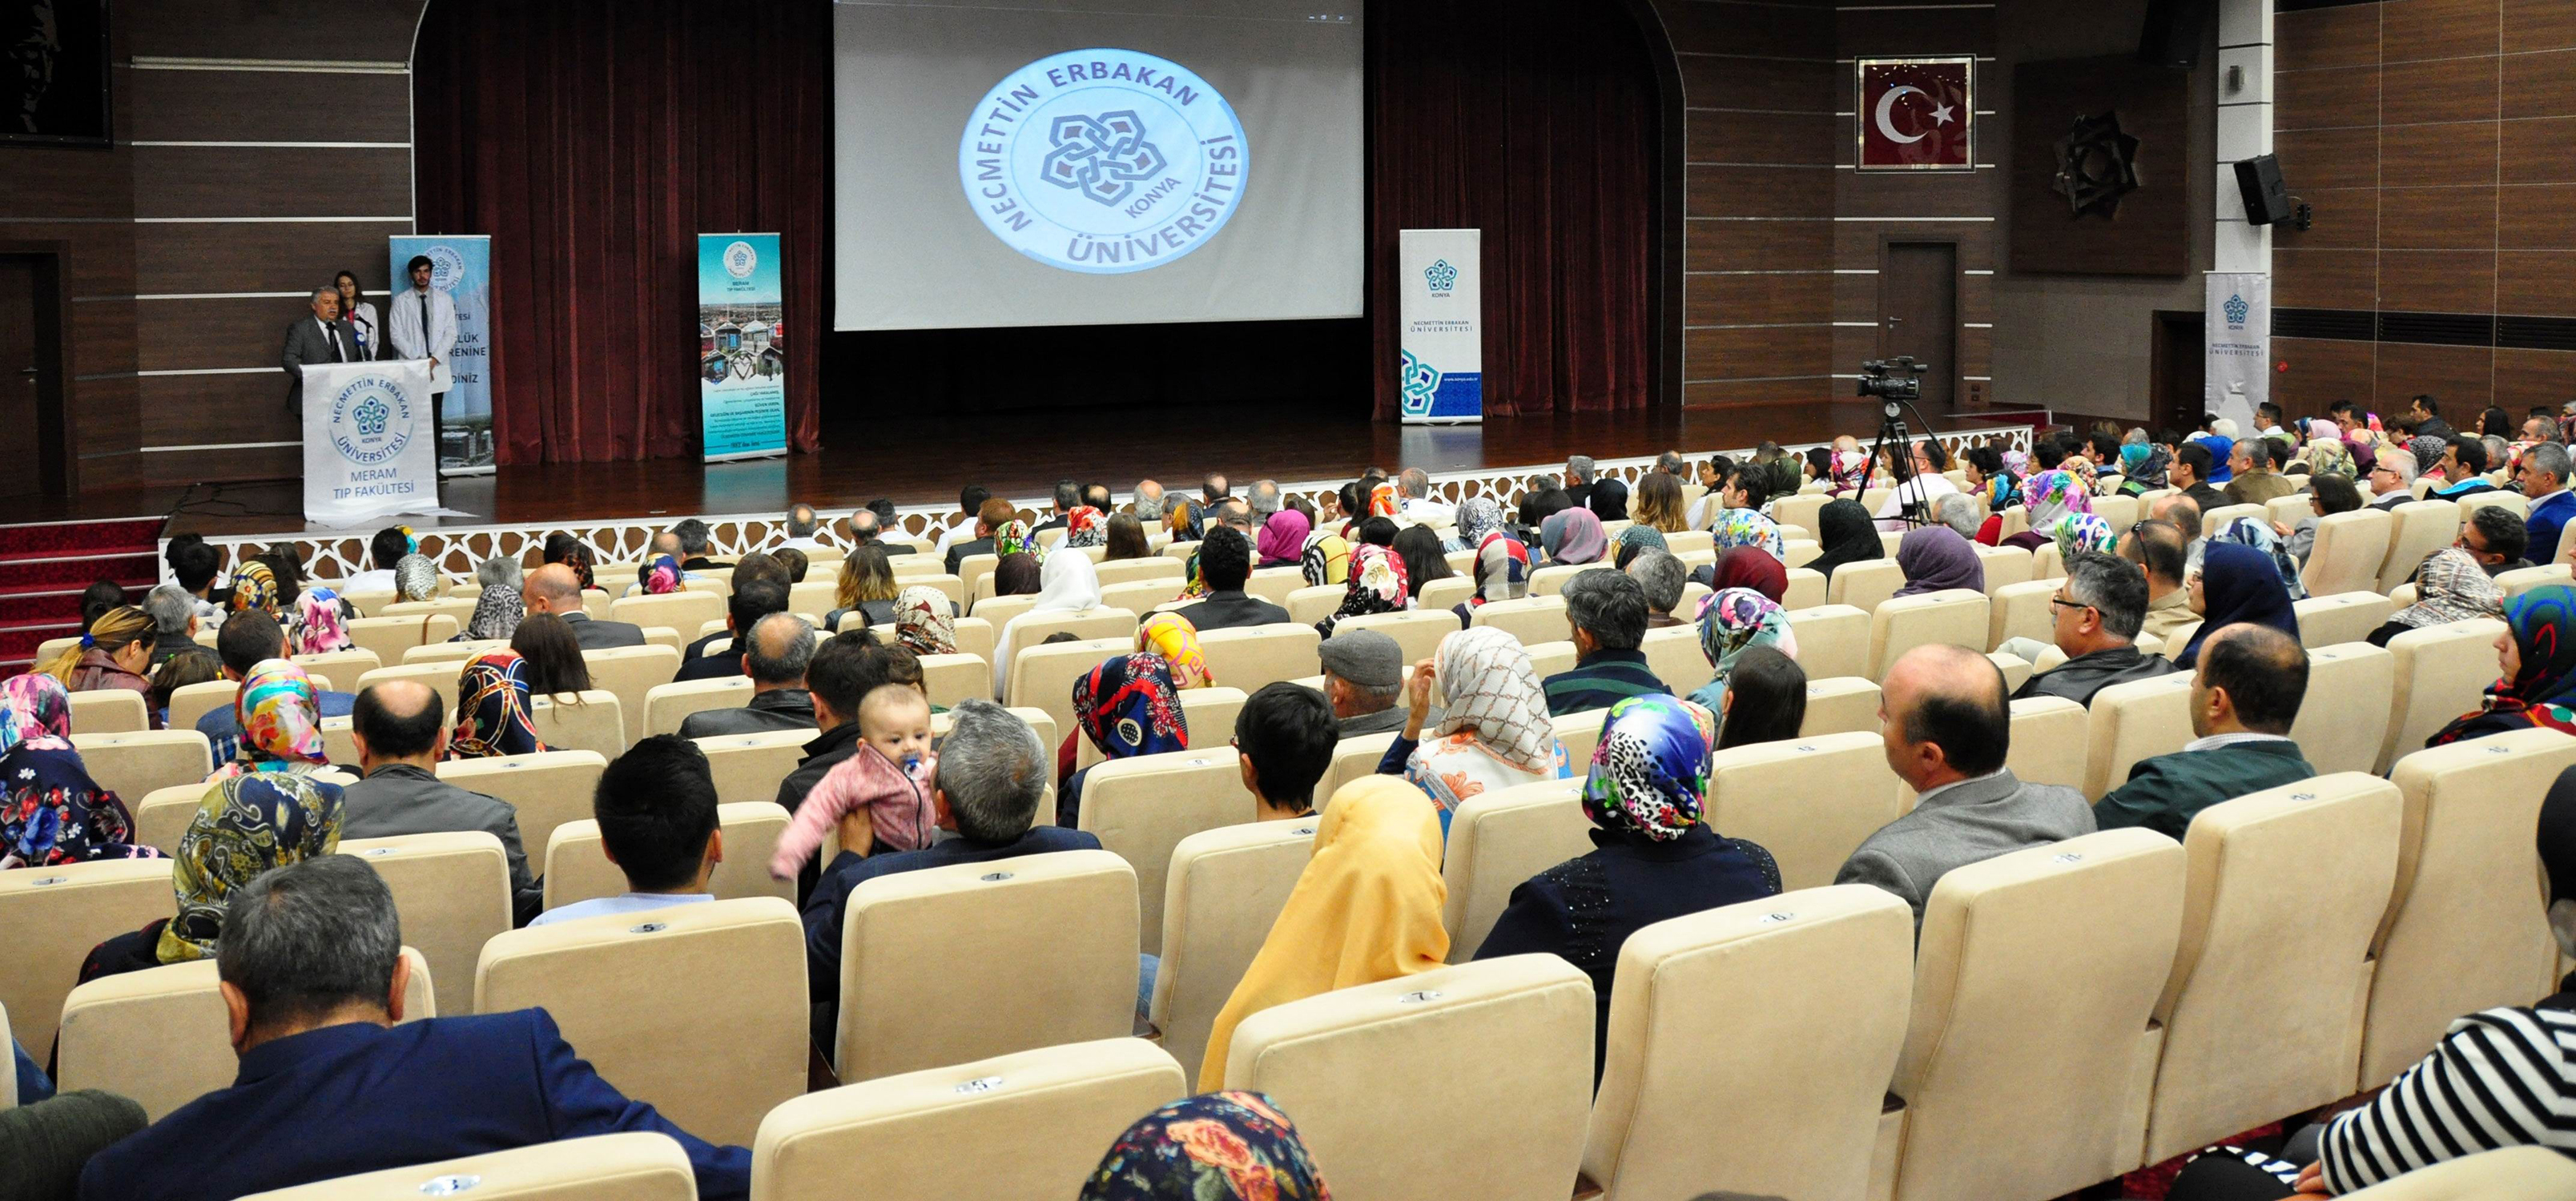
x=1367, y=908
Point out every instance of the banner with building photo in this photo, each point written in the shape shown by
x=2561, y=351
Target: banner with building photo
x=461, y=266
x=1440, y=319
x=742, y=367
x=2239, y=321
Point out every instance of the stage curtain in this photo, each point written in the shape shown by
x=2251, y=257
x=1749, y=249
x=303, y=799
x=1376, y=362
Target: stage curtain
x=594, y=140
x=1535, y=121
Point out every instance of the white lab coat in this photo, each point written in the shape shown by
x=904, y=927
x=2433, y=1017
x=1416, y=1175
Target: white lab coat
x=402, y=325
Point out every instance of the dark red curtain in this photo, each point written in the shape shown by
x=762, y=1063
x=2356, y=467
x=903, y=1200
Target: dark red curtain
x=1535, y=121
x=594, y=140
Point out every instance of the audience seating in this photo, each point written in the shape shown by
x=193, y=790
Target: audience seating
x=1355, y=756
x=1806, y=590
x=462, y=609
x=454, y=654
x=2120, y=511
x=346, y=664
x=1833, y=640
x=606, y=1167
x=1499, y=839
x=1675, y=657
x=2524, y=579
x=50, y=917
x=9, y=1070
x=2349, y=550
x=1042, y=677
x=368, y=604
x=2343, y=720
x=1141, y=808
x=388, y=637
x=1223, y=890
x=2015, y=671
x=1360, y=1070
x=664, y=636
x=594, y=603
x=1090, y=623
x=2134, y=721
x=686, y=610
x=1546, y=659
x=2328, y=619
x=1207, y=713
x=2515, y=501
x=953, y=678
x=161, y=1037
x=2004, y=566
x=1801, y=509
x=1306, y=606
x=1550, y=581
x=192, y=701
x=632, y=672
x=440, y=678
x=1955, y=616
x=547, y=789
x=109, y=711
x=1797, y=553
x=2261, y=1014
x=1797, y=1003
x=597, y=723
x=1142, y=596
x=1417, y=632
x=1252, y=656
x=606, y=981
x=1273, y=584
x=1532, y=619
x=1130, y=571
x=2022, y=611
x=1808, y=801
x=815, y=595
x=2290, y=510
x=2441, y=672
x=2048, y=741
x=2416, y=529
x=1055, y=961
x=2216, y=521
x=1442, y=595
x=749, y=767
x=575, y=866
x=2035, y=972
x=2463, y=929
x=134, y=764
x=1689, y=541
x=1866, y=584
x=1840, y=705
x=2047, y=563
x=453, y=892
x=1032, y=1124
x=161, y=816
x=1579, y=733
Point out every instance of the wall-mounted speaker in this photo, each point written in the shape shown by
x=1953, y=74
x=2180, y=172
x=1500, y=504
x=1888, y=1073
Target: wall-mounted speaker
x=2170, y=36
x=2267, y=199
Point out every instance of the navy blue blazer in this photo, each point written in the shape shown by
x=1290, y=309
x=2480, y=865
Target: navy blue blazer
x=359, y=1097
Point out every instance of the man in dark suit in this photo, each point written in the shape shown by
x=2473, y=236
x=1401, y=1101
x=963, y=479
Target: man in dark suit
x=781, y=646
x=995, y=514
x=743, y=610
x=401, y=737
x=754, y=568
x=1225, y=562
x=320, y=338
x=868, y=529
x=554, y=589
x=330, y=1085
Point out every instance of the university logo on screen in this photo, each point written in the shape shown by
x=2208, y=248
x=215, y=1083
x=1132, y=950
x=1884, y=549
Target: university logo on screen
x=1103, y=161
x=371, y=425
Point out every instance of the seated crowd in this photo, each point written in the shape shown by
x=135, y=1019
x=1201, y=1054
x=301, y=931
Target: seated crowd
x=307, y=943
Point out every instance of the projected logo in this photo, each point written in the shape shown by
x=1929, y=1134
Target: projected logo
x=1103, y=161
x=371, y=421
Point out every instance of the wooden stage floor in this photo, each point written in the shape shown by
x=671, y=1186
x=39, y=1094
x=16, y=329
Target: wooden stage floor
x=1018, y=455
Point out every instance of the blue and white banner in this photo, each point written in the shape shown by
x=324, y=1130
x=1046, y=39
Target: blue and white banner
x=1442, y=320
x=368, y=446
x=742, y=365
x=460, y=265
x=2239, y=321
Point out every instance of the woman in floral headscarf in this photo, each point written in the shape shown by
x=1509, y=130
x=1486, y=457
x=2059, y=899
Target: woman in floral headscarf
x=2142, y=467
x=922, y=622
x=1502, y=564
x=1230, y=1146
x=280, y=714
x=2049, y=496
x=1746, y=527
x=493, y=713
x=1377, y=585
x=51, y=811
x=661, y=577
x=1172, y=637
x=1653, y=856
x=2083, y=532
x=319, y=627
x=1086, y=526
x=1496, y=732
x=2538, y=654
x=1850, y=474
x=1015, y=538
x=1127, y=706
x=255, y=587
x=1731, y=622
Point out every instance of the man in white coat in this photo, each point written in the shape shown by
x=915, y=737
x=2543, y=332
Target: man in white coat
x=420, y=322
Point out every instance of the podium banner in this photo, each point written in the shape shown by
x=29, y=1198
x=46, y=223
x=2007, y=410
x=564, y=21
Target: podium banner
x=461, y=266
x=368, y=447
x=2239, y=321
x=742, y=368
x=1441, y=318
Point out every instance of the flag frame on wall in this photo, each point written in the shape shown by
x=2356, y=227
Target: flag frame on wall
x=1940, y=87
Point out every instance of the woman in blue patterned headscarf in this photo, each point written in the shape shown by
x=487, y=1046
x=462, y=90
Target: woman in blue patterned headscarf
x=2538, y=653
x=1731, y=622
x=2256, y=533
x=2084, y=532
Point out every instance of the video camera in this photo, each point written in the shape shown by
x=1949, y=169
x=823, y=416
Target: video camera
x=1899, y=378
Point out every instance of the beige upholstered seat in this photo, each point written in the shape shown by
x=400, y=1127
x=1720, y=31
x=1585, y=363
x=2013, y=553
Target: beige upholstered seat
x=597, y=723
x=2514, y=502
x=2340, y=617
x=50, y=917
x=388, y=637
x=1673, y=654
x=2120, y=511
x=577, y=868
x=2441, y=672
x=1547, y=658
x=606, y=1167
x=2216, y=520
x=748, y=767
x=1833, y=640
x=1306, y=606
x=368, y=604
x=1809, y=801
x=109, y=711
x=686, y=610
x=953, y=678
x=437, y=677
x=2343, y=720
x=2016, y=671
x=2349, y=550
x=1055, y=961
x=460, y=608
x=2048, y=563
x=1143, y=807
x=343, y=665
x=1443, y=595
x=1866, y=584
x=1580, y=732
x=632, y=672
x=2048, y=740
x=607, y=982
x=1840, y=705
x=1550, y=581
x=1117, y=625
x=1353, y=757
x=1532, y=619
x=1001, y=609
x=2463, y=931
x=161, y=1036
x=594, y=603
x=1806, y=589
x=1042, y=677
x=134, y=764
x=2417, y=529
x=2022, y=611
x=1252, y=656
x=453, y=892
x=161, y=816
x=1129, y=571
x=1056, y=1110
x=1955, y=616
x=2133, y=721
x=2288, y=510
x=1356, y=1069
x=2524, y=579
x=2021, y=1077
x=548, y=789
x=1801, y=509
x=1145, y=595
x=1417, y=633
x=1224, y=890
x=192, y=701
x=1799, y=1001
x=667, y=705
x=2261, y=1014
x=1499, y=839
x=2507, y=1174
x=2004, y=566
x=1273, y=584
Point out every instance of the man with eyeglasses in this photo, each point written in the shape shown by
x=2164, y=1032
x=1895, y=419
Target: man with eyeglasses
x=2392, y=477
x=2094, y=619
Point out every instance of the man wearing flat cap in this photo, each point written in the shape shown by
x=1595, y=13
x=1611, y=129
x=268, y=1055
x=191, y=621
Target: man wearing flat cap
x=1363, y=676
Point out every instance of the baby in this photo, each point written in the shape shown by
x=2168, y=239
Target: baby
x=878, y=797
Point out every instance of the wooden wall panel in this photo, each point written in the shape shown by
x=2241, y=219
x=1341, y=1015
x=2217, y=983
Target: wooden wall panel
x=2437, y=281
x=327, y=30
x=2537, y=282
x=261, y=256
x=1778, y=30
x=2420, y=155
x=2346, y=219
x=189, y=410
x=1760, y=352
x=1727, y=81
x=208, y=106
x=1803, y=139
x=2437, y=218
x=2463, y=376
x=2446, y=89
x=1732, y=394
x=1758, y=191
x=2328, y=158
x=2537, y=217
x=2331, y=98
x=2322, y=372
x=2538, y=25
x=245, y=181
x=2346, y=36
x=2437, y=29
x=1760, y=245
x=2524, y=378
x=2540, y=85
x=1766, y=299
x=2540, y=150
x=2325, y=279
x=180, y=335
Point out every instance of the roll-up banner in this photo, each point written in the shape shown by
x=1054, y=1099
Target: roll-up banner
x=367, y=441
x=742, y=365
x=2239, y=320
x=1442, y=314
x=460, y=265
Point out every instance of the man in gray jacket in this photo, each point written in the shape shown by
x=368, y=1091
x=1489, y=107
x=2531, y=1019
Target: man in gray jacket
x=320, y=338
x=1947, y=728
x=401, y=735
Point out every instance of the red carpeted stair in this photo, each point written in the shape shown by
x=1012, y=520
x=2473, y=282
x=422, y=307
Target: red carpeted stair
x=43, y=569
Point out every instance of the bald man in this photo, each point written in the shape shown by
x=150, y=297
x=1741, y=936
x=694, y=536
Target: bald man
x=2245, y=693
x=781, y=646
x=1947, y=729
x=401, y=731
x=554, y=589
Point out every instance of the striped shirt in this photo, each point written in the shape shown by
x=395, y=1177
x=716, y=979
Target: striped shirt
x=1605, y=679
x=2500, y=1078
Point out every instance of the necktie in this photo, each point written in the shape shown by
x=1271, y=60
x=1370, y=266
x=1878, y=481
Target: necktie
x=337, y=351
x=424, y=322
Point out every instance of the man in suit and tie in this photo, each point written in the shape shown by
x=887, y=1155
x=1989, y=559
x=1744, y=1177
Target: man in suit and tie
x=554, y=589
x=331, y=1085
x=320, y=338
x=420, y=323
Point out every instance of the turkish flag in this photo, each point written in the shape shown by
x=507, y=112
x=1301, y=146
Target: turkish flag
x=1915, y=114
